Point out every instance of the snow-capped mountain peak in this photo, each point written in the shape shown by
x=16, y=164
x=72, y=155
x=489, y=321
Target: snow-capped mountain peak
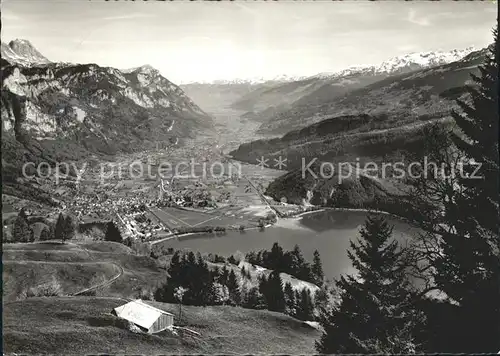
x=398, y=64
x=423, y=59
x=283, y=78
x=407, y=62
x=23, y=52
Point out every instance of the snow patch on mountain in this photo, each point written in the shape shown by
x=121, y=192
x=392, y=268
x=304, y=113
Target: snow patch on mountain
x=410, y=61
x=283, y=78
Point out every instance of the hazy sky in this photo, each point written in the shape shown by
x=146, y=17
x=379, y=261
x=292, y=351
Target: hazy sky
x=203, y=41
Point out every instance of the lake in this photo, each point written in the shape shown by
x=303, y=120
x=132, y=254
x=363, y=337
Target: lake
x=328, y=232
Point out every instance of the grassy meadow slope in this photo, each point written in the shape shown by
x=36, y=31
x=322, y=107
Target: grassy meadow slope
x=77, y=267
x=83, y=325
x=66, y=278
x=62, y=323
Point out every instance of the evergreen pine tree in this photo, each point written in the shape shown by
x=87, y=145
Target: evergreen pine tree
x=174, y=267
x=112, y=232
x=263, y=288
x=461, y=218
x=224, y=275
x=21, y=230
x=216, y=273
x=290, y=299
x=299, y=267
x=478, y=141
x=322, y=299
x=273, y=293
x=60, y=229
x=305, y=307
x=317, y=269
x=251, y=257
x=469, y=269
x=233, y=287
x=202, y=283
x=166, y=292
x=297, y=296
x=275, y=258
x=52, y=231
x=254, y=299
x=375, y=312
x=45, y=234
x=70, y=227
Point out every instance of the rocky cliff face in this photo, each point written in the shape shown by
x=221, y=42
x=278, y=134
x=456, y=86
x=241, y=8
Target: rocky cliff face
x=62, y=100
x=67, y=110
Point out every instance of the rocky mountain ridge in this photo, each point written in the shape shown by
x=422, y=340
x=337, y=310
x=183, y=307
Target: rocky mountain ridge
x=415, y=91
x=268, y=103
x=60, y=111
x=22, y=52
x=410, y=61
x=381, y=122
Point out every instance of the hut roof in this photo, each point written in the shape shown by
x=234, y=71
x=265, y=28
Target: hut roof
x=139, y=313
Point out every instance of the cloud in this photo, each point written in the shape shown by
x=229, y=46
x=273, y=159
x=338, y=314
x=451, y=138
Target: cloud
x=412, y=17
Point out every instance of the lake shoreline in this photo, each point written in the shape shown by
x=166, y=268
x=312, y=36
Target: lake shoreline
x=298, y=216
x=173, y=236
x=323, y=209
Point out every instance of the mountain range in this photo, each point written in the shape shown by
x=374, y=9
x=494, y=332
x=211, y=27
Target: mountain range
x=380, y=122
x=361, y=92
x=60, y=111
x=269, y=103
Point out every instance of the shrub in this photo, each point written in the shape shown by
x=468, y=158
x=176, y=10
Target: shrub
x=113, y=233
x=238, y=257
x=49, y=289
x=145, y=294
